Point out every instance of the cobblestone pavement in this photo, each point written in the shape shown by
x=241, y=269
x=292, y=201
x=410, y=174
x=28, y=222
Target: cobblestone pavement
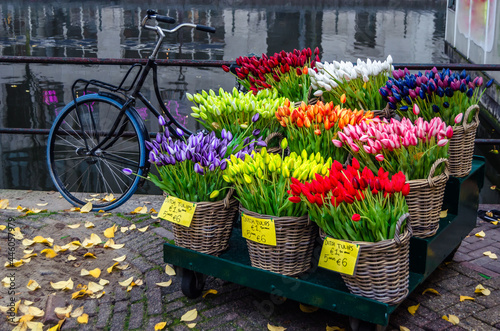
x=236, y=307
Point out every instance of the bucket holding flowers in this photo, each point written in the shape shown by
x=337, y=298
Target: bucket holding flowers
x=280, y=236
x=190, y=174
x=360, y=209
x=452, y=96
x=417, y=149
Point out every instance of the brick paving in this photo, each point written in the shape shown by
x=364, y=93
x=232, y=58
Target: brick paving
x=236, y=307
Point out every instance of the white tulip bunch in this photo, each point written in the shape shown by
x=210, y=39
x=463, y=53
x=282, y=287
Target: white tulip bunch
x=360, y=83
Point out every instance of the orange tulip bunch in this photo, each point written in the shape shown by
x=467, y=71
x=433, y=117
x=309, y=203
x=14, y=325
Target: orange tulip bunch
x=312, y=127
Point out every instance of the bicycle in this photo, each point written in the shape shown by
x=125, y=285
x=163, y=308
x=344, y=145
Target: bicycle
x=98, y=134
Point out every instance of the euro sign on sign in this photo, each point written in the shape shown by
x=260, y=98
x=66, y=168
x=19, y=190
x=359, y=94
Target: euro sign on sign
x=177, y=211
x=339, y=256
x=260, y=230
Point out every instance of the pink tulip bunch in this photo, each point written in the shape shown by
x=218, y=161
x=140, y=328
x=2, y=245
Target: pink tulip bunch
x=398, y=145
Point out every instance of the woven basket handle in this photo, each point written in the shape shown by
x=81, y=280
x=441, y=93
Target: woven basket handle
x=273, y=135
x=466, y=125
x=397, y=232
x=226, y=199
x=434, y=167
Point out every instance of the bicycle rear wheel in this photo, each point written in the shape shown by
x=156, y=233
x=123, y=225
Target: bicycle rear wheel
x=82, y=177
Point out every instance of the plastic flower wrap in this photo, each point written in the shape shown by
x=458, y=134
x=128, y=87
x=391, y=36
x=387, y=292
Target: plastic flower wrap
x=444, y=94
x=287, y=72
x=236, y=112
x=191, y=169
x=359, y=82
x=261, y=180
x=398, y=145
x=312, y=127
x=354, y=205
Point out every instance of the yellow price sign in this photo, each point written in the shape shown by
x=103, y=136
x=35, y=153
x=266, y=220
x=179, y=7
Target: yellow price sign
x=339, y=256
x=177, y=211
x=260, y=230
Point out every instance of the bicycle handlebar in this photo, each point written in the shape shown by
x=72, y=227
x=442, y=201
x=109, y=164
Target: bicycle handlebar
x=205, y=28
x=164, y=19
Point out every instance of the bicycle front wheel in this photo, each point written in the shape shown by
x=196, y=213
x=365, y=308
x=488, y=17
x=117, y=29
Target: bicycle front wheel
x=82, y=175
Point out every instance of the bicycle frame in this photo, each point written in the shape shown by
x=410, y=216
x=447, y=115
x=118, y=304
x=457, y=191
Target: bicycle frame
x=136, y=90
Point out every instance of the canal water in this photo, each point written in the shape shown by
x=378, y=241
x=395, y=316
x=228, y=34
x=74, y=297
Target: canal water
x=31, y=95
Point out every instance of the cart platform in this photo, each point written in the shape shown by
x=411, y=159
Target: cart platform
x=324, y=288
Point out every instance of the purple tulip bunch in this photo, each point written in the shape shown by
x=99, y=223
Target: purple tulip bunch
x=444, y=94
x=191, y=169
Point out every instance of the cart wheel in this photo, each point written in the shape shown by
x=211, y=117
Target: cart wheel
x=192, y=283
x=360, y=325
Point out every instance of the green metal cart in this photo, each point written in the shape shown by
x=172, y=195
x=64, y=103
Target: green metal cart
x=324, y=288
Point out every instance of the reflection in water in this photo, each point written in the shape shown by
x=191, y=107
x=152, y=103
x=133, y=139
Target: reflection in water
x=32, y=95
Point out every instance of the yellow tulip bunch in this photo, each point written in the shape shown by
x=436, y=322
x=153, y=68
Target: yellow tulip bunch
x=261, y=180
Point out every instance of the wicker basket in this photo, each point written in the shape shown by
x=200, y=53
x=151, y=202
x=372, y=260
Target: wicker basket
x=382, y=271
x=292, y=254
x=425, y=201
x=462, y=144
x=210, y=228
x=279, y=137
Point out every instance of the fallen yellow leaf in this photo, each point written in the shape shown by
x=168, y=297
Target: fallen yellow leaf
x=28, y=251
x=124, y=229
x=443, y=213
x=169, y=270
x=452, y=319
x=28, y=303
x=84, y=319
x=120, y=259
x=17, y=234
x=87, y=208
x=167, y=284
x=42, y=204
x=33, y=285
x=63, y=285
x=110, y=269
x=143, y=229
x=35, y=211
x=160, y=326
x=2, y=227
x=110, y=232
x=88, y=254
x=480, y=234
x=334, y=328
x=73, y=226
x=62, y=312
x=275, y=328
x=6, y=282
x=413, y=309
x=42, y=240
x=95, y=195
x=58, y=248
x=140, y=210
x=95, y=272
x=211, y=291
x=27, y=242
x=307, y=308
x=35, y=326
x=14, y=263
x=80, y=293
x=126, y=282
x=152, y=211
x=95, y=239
x=109, y=198
x=431, y=290
x=74, y=209
x=190, y=315
x=111, y=244
x=191, y=325
x=480, y=289
x=4, y=203
x=89, y=225
x=27, y=256
x=132, y=227
x=71, y=258
x=103, y=282
x=49, y=253
x=494, y=222
x=94, y=287
x=493, y=256
x=77, y=312
x=463, y=298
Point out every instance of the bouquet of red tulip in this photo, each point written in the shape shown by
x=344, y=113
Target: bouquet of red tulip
x=354, y=205
x=398, y=145
x=286, y=72
x=312, y=127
